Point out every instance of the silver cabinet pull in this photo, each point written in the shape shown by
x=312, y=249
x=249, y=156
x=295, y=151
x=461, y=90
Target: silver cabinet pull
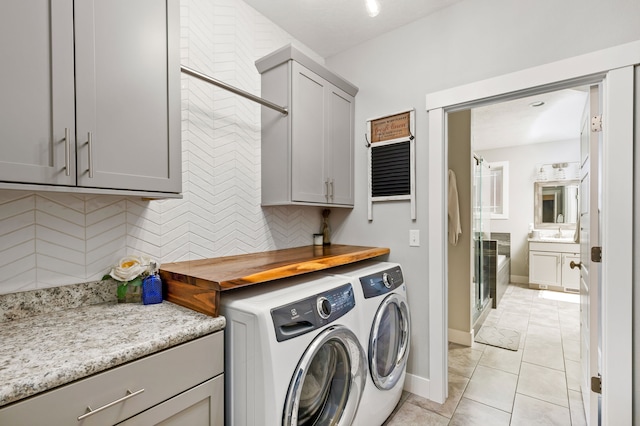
x=90, y=145
x=67, y=152
x=91, y=412
x=326, y=189
x=331, y=186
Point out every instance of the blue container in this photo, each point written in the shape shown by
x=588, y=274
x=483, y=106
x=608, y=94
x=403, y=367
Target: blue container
x=151, y=290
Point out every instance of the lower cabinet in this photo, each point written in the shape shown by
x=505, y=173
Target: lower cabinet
x=544, y=268
x=200, y=406
x=181, y=385
x=550, y=265
x=570, y=277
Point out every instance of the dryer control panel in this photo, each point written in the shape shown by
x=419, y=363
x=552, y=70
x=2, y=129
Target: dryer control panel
x=303, y=316
x=381, y=282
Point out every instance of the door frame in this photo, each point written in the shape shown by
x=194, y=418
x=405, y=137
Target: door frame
x=615, y=67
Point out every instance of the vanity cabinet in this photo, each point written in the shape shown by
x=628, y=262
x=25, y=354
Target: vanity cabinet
x=307, y=155
x=549, y=265
x=88, y=106
x=178, y=386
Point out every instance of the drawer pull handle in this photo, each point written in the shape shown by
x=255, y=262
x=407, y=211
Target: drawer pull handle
x=573, y=265
x=91, y=412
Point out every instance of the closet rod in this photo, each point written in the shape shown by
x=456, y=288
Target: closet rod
x=232, y=89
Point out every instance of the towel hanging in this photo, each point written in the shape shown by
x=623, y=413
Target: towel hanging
x=455, y=229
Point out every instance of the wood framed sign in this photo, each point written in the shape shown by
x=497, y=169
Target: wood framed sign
x=391, y=127
x=391, y=158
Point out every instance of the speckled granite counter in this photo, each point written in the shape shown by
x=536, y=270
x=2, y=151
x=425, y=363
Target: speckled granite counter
x=38, y=353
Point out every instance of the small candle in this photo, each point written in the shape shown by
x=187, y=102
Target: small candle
x=317, y=239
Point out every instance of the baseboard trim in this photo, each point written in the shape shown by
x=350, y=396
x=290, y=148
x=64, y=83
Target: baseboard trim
x=460, y=337
x=417, y=385
x=520, y=279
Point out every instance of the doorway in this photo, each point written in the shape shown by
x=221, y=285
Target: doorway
x=614, y=66
x=509, y=157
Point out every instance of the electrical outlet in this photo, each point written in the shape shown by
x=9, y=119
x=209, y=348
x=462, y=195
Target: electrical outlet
x=414, y=238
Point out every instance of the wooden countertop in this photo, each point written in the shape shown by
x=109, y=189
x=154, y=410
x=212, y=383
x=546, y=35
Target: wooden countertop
x=197, y=284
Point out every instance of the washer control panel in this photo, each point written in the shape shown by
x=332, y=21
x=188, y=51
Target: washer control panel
x=303, y=316
x=381, y=282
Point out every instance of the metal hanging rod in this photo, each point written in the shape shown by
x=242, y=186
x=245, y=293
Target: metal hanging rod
x=232, y=89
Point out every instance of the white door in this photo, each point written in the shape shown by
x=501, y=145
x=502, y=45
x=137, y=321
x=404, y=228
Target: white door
x=589, y=271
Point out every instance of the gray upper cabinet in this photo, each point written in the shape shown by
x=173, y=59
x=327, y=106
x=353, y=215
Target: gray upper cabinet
x=121, y=112
x=37, y=101
x=307, y=156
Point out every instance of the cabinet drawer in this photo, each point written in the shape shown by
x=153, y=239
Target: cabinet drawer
x=200, y=406
x=161, y=375
x=555, y=247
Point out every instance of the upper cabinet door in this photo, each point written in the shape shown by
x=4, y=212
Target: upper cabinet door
x=128, y=94
x=37, y=101
x=310, y=180
x=340, y=147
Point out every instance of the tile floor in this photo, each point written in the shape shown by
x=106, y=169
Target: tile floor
x=536, y=385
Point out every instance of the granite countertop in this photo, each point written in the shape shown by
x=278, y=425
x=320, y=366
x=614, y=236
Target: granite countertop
x=54, y=348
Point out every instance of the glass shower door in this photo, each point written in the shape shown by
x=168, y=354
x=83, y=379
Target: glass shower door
x=481, y=204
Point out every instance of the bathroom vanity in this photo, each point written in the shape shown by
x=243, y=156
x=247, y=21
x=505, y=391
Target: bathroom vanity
x=549, y=264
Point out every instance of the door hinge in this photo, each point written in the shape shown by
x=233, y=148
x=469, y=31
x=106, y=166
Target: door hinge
x=596, y=123
x=596, y=384
x=596, y=254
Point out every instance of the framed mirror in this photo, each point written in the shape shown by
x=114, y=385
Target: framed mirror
x=556, y=204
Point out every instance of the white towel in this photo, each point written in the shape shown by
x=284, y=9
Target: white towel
x=455, y=230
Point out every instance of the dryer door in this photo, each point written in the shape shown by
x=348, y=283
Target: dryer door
x=389, y=342
x=327, y=384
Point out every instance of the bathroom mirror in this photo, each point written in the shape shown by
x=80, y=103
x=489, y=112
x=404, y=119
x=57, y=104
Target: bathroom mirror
x=556, y=204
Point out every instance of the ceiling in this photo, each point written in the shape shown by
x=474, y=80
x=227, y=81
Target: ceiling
x=331, y=26
x=515, y=122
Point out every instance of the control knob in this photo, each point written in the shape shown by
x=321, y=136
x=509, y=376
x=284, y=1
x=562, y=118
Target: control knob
x=324, y=307
x=387, y=280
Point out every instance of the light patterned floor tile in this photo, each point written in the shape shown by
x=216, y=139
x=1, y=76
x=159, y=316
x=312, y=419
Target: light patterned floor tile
x=472, y=413
x=529, y=411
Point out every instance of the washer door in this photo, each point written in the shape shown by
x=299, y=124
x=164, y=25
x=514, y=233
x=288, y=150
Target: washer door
x=327, y=384
x=389, y=342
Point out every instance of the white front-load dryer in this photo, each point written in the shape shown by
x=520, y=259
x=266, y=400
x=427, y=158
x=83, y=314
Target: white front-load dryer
x=386, y=327
x=292, y=354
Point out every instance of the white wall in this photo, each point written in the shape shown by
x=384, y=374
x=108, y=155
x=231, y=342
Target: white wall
x=51, y=239
x=467, y=42
x=522, y=174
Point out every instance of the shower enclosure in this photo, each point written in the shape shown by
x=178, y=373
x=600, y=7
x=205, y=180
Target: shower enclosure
x=481, y=222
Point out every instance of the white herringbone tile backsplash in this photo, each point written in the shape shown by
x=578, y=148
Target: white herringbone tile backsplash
x=53, y=239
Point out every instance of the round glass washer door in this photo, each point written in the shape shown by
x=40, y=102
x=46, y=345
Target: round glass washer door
x=327, y=384
x=389, y=342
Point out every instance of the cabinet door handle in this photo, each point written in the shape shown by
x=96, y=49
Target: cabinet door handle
x=90, y=146
x=574, y=265
x=91, y=412
x=331, y=186
x=67, y=152
x=326, y=189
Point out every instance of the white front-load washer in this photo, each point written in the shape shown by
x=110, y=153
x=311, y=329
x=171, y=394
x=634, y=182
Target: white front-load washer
x=292, y=354
x=381, y=296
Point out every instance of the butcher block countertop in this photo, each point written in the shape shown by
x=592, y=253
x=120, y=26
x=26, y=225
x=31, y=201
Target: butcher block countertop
x=197, y=284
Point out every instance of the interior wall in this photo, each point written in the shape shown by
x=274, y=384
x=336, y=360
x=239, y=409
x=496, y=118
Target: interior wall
x=522, y=175
x=460, y=255
x=52, y=239
x=466, y=42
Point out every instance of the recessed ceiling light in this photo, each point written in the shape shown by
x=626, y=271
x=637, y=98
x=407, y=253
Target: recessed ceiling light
x=536, y=104
x=373, y=8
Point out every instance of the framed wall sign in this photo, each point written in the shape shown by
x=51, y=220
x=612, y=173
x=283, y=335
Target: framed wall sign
x=391, y=158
